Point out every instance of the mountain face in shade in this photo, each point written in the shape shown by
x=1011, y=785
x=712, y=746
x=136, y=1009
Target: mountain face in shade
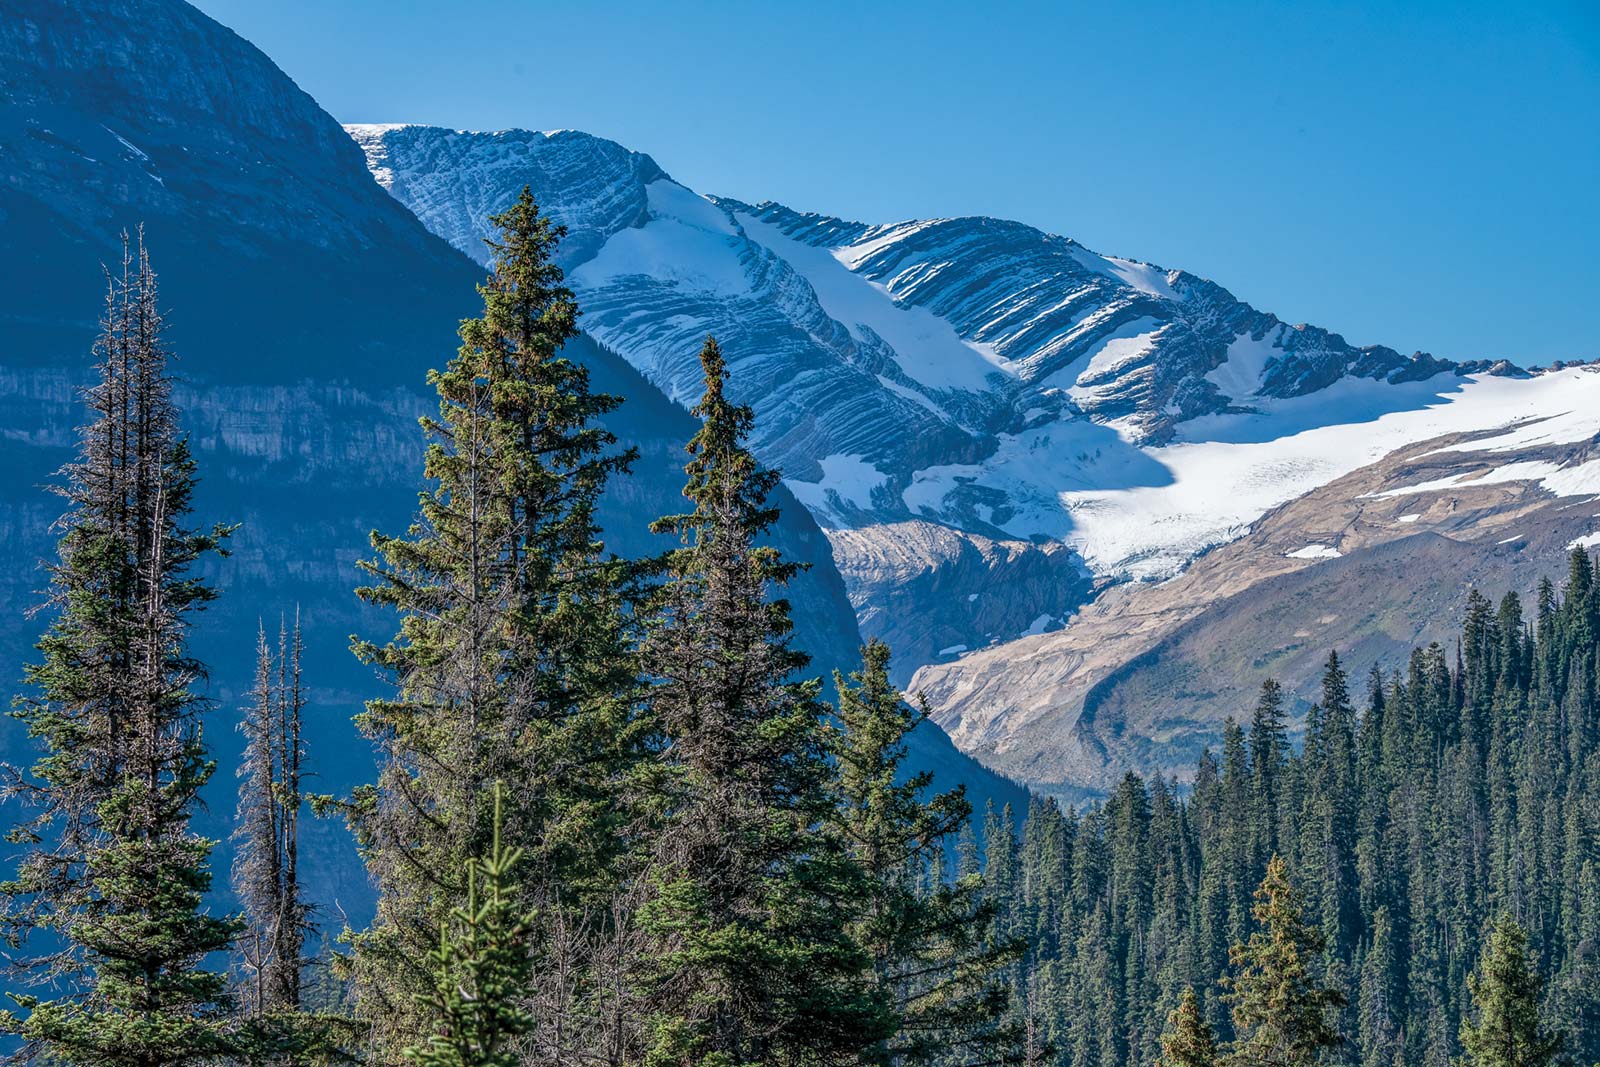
x=307, y=306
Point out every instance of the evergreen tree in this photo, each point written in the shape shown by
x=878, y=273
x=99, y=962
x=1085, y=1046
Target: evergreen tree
x=284, y=1024
x=482, y=968
x=753, y=961
x=1187, y=1040
x=1378, y=1007
x=1279, y=1010
x=511, y=662
x=111, y=872
x=1505, y=999
x=929, y=939
x=1269, y=748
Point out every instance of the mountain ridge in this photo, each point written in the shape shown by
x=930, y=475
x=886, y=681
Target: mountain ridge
x=995, y=425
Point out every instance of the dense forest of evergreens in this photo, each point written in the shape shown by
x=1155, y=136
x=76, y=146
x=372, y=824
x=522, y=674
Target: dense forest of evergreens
x=1464, y=789
x=617, y=822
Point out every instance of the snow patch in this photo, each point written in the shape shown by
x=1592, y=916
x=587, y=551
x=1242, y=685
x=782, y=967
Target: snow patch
x=1141, y=276
x=1413, y=517
x=1586, y=541
x=850, y=477
x=688, y=241
x=912, y=395
x=1580, y=480
x=1126, y=344
x=1239, y=376
x=1315, y=552
x=1142, y=513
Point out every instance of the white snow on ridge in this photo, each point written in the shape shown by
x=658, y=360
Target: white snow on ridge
x=1239, y=376
x=1126, y=344
x=688, y=240
x=1144, y=512
x=1140, y=276
x=1581, y=480
x=912, y=395
x=1586, y=541
x=1315, y=552
x=1529, y=471
x=850, y=476
x=927, y=347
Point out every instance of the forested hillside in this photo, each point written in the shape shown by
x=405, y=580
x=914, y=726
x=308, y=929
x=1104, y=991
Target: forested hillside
x=1463, y=788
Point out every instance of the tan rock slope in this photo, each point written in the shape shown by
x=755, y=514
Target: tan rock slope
x=1146, y=675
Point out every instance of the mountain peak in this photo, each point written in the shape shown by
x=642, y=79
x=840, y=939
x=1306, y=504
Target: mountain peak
x=456, y=179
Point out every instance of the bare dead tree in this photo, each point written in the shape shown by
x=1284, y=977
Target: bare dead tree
x=266, y=866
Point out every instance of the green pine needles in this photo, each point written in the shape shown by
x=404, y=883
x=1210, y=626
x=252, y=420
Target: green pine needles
x=512, y=661
x=1280, y=1011
x=750, y=960
x=1506, y=1030
x=935, y=952
x=482, y=968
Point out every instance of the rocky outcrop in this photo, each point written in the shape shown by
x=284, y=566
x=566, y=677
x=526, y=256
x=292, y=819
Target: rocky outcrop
x=457, y=179
x=934, y=593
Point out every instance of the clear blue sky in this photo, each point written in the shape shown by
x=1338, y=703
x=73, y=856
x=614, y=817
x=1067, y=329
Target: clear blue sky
x=1419, y=175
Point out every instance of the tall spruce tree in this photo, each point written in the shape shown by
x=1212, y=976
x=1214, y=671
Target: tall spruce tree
x=511, y=662
x=1505, y=990
x=1187, y=1040
x=111, y=873
x=1280, y=1012
x=751, y=893
x=931, y=940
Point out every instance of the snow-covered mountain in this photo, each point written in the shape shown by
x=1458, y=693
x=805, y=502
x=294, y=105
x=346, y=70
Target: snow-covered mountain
x=901, y=371
x=993, y=423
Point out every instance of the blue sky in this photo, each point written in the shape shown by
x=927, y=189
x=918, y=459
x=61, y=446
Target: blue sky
x=1419, y=175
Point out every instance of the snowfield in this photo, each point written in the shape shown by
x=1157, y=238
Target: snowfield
x=1143, y=512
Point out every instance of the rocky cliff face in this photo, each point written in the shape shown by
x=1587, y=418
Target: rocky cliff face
x=458, y=179
x=306, y=307
x=934, y=593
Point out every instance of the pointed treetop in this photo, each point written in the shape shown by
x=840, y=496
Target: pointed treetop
x=1188, y=1040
